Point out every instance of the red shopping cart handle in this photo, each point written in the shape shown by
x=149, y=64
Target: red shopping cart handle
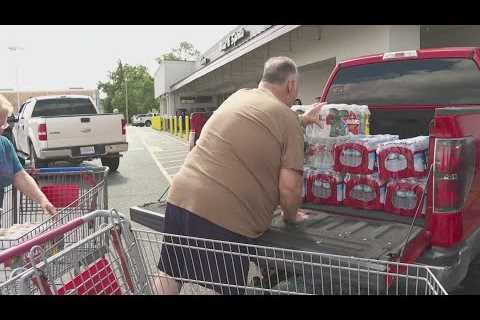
x=53, y=234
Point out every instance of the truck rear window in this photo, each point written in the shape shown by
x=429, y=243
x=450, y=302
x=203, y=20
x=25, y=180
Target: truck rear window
x=408, y=82
x=63, y=107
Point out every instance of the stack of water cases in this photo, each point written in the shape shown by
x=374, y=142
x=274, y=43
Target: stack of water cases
x=339, y=123
x=405, y=163
x=345, y=165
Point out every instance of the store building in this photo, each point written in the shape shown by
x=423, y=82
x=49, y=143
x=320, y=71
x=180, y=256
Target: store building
x=236, y=61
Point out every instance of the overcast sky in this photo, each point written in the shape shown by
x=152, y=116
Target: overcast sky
x=60, y=57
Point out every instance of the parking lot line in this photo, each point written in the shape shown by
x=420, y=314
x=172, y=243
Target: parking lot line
x=159, y=165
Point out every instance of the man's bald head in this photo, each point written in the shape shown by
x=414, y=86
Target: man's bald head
x=280, y=76
x=278, y=70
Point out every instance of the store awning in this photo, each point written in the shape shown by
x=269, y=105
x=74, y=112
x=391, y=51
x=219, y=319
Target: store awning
x=263, y=38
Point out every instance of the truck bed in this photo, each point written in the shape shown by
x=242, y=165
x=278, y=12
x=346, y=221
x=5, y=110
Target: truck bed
x=323, y=232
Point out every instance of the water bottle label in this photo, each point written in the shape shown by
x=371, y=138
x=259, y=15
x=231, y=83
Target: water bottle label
x=419, y=161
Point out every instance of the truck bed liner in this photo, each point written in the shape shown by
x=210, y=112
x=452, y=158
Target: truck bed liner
x=338, y=234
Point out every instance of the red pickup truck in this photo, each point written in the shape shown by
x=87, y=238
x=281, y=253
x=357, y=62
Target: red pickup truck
x=433, y=92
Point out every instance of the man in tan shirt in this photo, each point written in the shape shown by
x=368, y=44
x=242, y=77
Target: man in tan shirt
x=247, y=161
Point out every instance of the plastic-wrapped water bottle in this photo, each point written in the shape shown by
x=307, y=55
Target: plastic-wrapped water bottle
x=368, y=193
x=322, y=189
x=357, y=192
x=372, y=158
x=405, y=200
x=395, y=162
x=419, y=161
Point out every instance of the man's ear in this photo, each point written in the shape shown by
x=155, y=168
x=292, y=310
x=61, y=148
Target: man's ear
x=290, y=86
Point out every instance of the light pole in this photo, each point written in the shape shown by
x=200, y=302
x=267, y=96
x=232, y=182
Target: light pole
x=126, y=98
x=14, y=49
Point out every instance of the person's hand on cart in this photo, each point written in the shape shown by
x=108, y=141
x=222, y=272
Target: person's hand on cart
x=25, y=183
x=48, y=208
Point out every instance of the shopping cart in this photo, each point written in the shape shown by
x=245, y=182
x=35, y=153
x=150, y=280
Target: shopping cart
x=118, y=260
x=62, y=186
x=74, y=191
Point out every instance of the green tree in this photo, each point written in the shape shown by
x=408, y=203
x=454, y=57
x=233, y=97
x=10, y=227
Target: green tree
x=139, y=85
x=184, y=52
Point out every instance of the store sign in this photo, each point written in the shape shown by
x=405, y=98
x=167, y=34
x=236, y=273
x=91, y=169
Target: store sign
x=232, y=39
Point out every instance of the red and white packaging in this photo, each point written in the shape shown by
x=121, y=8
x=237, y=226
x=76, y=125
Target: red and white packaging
x=364, y=191
x=320, y=150
x=404, y=196
x=357, y=155
x=403, y=158
x=325, y=187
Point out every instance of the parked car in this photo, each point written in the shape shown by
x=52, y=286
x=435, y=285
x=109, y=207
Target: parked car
x=143, y=119
x=54, y=128
x=432, y=92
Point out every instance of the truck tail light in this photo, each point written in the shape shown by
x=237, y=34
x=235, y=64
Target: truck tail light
x=453, y=171
x=124, y=127
x=42, y=132
x=454, y=166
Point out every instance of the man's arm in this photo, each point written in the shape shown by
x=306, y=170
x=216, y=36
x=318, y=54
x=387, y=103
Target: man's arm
x=312, y=116
x=25, y=183
x=290, y=188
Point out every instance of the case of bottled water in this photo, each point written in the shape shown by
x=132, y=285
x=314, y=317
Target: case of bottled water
x=320, y=151
x=403, y=158
x=358, y=153
x=325, y=187
x=364, y=191
x=344, y=119
x=404, y=196
x=339, y=120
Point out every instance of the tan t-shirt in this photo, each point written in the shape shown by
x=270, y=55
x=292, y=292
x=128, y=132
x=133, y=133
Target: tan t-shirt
x=231, y=177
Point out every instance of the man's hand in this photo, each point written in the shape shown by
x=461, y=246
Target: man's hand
x=312, y=116
x=48, y=208
x=299, y=218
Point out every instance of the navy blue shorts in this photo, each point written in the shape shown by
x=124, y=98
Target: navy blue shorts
x=222, y=270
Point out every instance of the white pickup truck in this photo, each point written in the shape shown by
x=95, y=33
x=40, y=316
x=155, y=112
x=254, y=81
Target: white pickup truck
x=68, y=128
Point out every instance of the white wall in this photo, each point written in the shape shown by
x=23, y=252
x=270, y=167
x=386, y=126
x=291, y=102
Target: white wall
x=159, y=81
x=346, y=42
x=450, y=36
x=404, y=38
x=170, y=72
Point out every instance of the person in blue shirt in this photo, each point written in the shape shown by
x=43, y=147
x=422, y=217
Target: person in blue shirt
x=12, y=172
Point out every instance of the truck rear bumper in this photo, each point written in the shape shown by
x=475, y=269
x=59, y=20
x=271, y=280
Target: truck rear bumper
x=454, y=261
x=69, y=153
